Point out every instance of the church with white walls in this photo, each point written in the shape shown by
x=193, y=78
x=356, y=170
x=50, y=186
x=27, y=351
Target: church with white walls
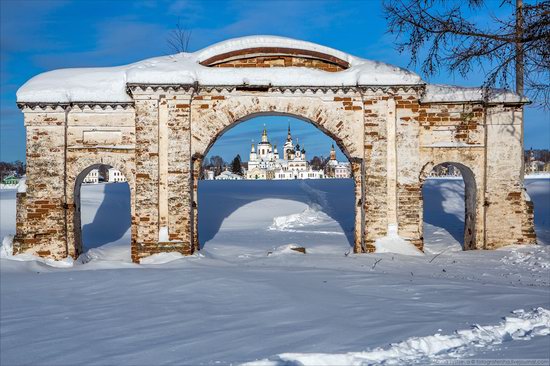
x=266, y=163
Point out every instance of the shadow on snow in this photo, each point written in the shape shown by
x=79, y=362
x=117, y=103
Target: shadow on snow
x=218, y=200
x=112, y=218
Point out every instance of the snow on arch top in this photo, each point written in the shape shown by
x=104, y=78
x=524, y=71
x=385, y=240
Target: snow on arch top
x=270, y=42
x=108, y=84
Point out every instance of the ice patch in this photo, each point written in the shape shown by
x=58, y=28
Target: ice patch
x=393, y=243
x=521, y=326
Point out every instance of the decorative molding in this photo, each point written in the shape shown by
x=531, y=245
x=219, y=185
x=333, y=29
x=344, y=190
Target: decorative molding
x=138, y=88
x=42, y=106
x=82, y=105
x=392, y=88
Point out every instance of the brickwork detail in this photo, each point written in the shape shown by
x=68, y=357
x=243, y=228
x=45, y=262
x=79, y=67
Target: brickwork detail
x=281, y=61
x=160, y=139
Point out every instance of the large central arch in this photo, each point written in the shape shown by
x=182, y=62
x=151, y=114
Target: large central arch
x=156, y=119
x=270, y=110
x=221, y=113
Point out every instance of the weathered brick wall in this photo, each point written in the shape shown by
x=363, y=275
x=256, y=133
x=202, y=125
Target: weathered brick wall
x=59, y=150
x=448, y=133
x=41, y=216
x=147, y=189
x=375, y=160
x=409, y=191
x=163, y=172
x=180, y=174
x=281, y=61
x=391, y=139
x=96, y=136
x=338, y=115
x=509, y=216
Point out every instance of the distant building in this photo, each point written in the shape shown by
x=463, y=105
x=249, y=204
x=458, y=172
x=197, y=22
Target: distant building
x=10, y=180
x=227, y=175
x=445, y=170
x=265, y=162
x=209, y=175
x=336, y=169
x=259, y=173
x=342, y=170
x=115, y=176
x=92, y=177
x=534, y=166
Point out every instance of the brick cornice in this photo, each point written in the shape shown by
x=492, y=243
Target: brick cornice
x=39, y=107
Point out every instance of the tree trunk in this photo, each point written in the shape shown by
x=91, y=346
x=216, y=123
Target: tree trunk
x=519, y=47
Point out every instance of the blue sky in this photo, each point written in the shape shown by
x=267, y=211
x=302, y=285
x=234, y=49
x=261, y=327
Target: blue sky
x=238, y=139
x=41, y=35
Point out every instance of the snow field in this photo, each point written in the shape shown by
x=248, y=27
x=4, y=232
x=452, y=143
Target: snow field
x=233, y=303
x=522, y=326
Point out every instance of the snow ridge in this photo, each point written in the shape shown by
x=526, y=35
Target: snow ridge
x=314, y=214
x=523, y=325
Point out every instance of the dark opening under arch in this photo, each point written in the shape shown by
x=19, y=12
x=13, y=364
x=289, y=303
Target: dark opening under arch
x=107, y=202
x=460, y=225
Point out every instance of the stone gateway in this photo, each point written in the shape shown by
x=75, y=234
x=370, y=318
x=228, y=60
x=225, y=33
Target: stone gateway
x=155, y=121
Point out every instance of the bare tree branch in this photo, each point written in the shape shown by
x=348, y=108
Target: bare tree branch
x=178, y=39
x=446, y=35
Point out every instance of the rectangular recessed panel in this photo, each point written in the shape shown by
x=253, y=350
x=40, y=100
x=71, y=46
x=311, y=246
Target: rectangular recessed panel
x=101, y=137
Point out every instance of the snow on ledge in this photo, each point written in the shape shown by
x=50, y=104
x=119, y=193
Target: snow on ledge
x=440, y=93
x=108, y=84
x=242, y=43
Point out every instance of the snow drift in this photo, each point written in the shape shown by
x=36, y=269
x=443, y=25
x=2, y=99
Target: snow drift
x=521, y=326
x=240, y=304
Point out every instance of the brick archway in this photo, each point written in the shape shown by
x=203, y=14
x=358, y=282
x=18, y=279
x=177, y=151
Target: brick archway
x=156, y=119
x=473, y=204
x=268, y=109
x=74, y=215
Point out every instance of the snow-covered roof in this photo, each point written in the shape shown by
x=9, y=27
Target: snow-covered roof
x=439, y=93
x=108, y=84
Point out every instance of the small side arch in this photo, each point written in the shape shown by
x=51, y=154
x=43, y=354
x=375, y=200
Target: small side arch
x=75, y=177
x=470, y=199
